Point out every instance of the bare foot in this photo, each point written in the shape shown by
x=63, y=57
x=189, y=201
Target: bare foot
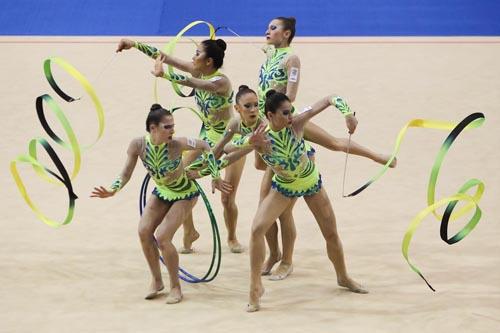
x=154, y=290
x=281, y=272
x=235, y=246
x=269, y=263
x=174, y=296
x=188, y=241
x=383, y=159
x=254, y=302
x=183, y=250
x=352, y=286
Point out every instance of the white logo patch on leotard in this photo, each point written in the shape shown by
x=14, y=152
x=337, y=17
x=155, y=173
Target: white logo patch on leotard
x=215, y=78
x=191, y=142
x=294, y=74
x=306, y=109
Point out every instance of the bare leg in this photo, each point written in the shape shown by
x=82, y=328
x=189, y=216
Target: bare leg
x=316, y=134
x=288, y=236
x=321, y=207
x=153, y=214
x=272, y=233
x=269, y=210
x=233, y=176
x=190, y=234
x=165, y=232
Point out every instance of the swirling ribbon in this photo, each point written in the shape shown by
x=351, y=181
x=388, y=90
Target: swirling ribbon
x=472, y=121
x=422, y=123
x=169, y=50
x=73, y=144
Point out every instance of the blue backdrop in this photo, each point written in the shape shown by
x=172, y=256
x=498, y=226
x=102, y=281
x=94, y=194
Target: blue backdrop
x=314, y=18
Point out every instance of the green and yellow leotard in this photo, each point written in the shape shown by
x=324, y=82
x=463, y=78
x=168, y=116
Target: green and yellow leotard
x=273, y=74
x=211, y=106
x=164, y=171
x=295, y=175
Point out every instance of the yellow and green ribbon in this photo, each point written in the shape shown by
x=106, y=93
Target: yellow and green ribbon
x=63, y=177
x=472, y=121
x=169, y=50
x=32, y=158
x=418, y=123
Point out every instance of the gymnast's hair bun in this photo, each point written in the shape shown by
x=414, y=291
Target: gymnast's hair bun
x=243, y=87
x=156, y=107
x=221, y=44
x=270, y=93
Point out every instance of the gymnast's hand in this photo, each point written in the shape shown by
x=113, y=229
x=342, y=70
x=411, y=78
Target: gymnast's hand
x=351, y=123
x=125, y=44
x=158, y=70
x=101, y=192
x=221, y=185
x=259, y=139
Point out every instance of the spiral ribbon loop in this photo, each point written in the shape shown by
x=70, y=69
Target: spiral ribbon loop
x=72, y=144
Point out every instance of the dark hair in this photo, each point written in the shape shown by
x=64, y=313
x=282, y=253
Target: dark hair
x=288, y=24
x=243, y=90
x=274, y=100
x=215, y=49
x=155, y=115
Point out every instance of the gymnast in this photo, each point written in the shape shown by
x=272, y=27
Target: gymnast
x=173, y=198
x=281, y=72
x=283, y=149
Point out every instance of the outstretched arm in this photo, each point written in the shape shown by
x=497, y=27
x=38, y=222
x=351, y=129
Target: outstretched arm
x=332, y=100
x=153, y=53
x=217, y=84
x=124, y=177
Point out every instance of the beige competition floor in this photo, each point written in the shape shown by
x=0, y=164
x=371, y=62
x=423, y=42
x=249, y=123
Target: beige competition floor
x=90, y=276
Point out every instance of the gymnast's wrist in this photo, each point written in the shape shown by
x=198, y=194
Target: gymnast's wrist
x=340, y=104
x=117, y=185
